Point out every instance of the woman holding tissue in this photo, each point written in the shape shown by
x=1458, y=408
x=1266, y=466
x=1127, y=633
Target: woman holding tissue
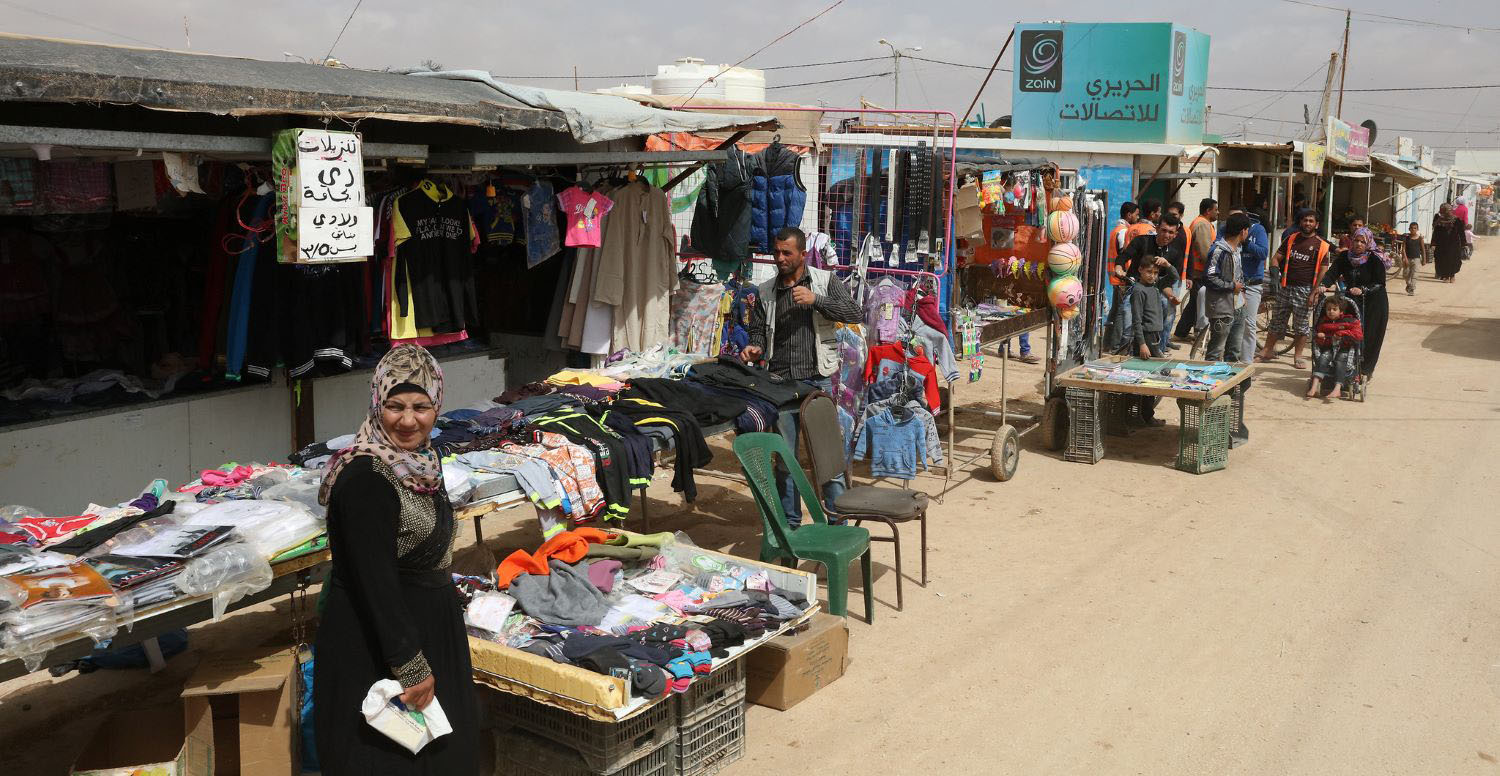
x=391, y=611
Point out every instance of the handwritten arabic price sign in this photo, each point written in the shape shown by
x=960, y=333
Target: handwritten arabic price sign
x=335, y=234
x=321, y=212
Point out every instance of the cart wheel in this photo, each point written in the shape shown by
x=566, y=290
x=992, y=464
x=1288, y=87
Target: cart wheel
x=1005, y=453
x=1054, y=428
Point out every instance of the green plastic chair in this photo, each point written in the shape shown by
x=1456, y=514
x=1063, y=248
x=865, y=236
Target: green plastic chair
x=834, y=546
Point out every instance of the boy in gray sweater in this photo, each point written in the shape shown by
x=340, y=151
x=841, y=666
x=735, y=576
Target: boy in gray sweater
x=1147, y=311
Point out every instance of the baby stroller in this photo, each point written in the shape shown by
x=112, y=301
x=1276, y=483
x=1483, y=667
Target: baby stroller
x=1356, y=388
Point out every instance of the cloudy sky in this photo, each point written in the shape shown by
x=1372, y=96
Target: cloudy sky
x=1278, y=44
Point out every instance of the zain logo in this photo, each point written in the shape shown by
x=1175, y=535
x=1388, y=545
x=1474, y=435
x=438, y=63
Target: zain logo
x=1179, y=61
x=1041, y=53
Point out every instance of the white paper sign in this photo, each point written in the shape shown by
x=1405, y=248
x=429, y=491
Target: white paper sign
x=335, y=234
x=333, y=223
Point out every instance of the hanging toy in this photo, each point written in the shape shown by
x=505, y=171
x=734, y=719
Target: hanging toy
x=1069, y=313
x=1064, y=258
x=1062, y=226
x=1065, y=293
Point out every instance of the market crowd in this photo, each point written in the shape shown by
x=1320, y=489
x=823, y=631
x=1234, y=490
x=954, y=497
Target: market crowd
x=1202, y=283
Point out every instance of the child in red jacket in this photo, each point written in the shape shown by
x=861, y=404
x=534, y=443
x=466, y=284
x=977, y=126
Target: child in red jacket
x=1338, y=334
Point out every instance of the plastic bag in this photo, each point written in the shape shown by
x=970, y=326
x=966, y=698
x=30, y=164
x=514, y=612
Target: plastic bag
x=229, y=572
x=408, y=727
x=458, y=482
x=271, y=526
x=298, y=490
x=13, y=512
x=29, y=635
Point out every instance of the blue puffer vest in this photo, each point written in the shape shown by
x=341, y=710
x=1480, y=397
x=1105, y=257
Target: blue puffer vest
x=777, y=196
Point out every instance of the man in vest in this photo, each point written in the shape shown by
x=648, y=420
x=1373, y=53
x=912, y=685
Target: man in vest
x=1150, y=216
x=1200, y=240
x=791, y=328
x=1301, y=259
x=1115, y=299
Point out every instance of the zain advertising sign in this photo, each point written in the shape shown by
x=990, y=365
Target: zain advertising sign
x=1041, y=61
x=1111, y=82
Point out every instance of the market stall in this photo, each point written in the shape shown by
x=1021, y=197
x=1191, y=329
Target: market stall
x=1102, y=393
x=1034, y=245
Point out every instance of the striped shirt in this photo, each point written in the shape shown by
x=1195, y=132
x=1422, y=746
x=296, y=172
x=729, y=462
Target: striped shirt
x=794, y=354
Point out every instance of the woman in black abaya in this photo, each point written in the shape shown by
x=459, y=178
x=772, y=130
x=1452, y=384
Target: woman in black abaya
x=391, y=611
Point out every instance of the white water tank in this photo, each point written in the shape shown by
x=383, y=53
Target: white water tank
x=743, y=85
x=688, y=75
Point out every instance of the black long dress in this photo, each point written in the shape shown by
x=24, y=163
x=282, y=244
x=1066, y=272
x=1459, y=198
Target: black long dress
x=390, y=612
x=1447, y=248
x=1374, y=305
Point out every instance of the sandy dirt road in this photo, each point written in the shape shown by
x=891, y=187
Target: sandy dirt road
x=1326, y=605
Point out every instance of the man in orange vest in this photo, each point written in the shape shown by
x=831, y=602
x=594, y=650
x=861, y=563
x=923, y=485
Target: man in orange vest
x=1150, y=216
x=1129, y=215
x=1301, y=258
x=1200, y=240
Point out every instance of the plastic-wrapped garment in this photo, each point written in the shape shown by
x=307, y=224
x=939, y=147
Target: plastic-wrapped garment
x=10, y=513
x=458, y=483
x=849, y=383
x=21, y=559
x=229, y=573
x=269, y=526
x=301, y=490
x=32, y=633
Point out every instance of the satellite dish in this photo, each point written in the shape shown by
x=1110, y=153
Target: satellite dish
x=1370, y=125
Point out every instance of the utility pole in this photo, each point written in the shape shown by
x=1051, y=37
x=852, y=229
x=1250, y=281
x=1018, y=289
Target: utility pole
x=896, y=69
x=575, y=78
x=1315, y=131
x=1344, y=62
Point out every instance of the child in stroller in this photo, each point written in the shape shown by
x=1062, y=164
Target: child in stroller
x=1336, y=348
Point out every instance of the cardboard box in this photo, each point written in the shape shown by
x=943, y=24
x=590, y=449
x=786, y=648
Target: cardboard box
x=143, y=742
x=241, y=707
x=785, y=670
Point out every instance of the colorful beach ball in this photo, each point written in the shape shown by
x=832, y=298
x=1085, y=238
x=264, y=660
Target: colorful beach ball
x=1062, y=226
x=1064, y=258
x=1065, y=293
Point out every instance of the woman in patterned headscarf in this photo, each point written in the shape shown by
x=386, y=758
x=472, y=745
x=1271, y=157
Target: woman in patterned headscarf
x=391, y=611
x=1362, y=269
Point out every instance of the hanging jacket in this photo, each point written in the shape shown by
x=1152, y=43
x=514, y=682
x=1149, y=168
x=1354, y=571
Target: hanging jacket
x=777, y=195
x=721, y=218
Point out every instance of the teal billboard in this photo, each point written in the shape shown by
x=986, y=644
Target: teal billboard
x=1112, y=82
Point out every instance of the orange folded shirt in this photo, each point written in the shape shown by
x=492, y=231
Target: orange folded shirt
x=568, y=547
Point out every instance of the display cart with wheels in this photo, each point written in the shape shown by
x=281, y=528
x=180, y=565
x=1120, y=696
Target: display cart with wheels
x=1068, y=342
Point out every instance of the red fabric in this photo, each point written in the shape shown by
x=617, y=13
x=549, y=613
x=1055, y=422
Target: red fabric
x=1346, y=328
x=51, y=529
x=927, y=309
x=918, y=363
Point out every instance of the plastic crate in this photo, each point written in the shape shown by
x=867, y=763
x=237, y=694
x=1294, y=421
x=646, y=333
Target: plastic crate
x=1085, y=426
x=519, y=753
x=712, y=694
x=706, y=747
x=605, y=746
x=1123, y=416
x=1204, y=443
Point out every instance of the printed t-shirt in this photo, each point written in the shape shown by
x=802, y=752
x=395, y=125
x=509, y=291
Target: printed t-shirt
x=1302, y=260
x=585, y=212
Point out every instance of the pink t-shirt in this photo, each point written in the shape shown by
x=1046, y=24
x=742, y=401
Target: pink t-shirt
x=585, y=213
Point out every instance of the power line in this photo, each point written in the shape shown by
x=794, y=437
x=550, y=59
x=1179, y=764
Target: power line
x=77, y=23
x=955, y=64
x=1399, y=19
x=340, y=36
x=1384, y=89
x=832, y=80
x=1383, y=129
x=773, y=42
